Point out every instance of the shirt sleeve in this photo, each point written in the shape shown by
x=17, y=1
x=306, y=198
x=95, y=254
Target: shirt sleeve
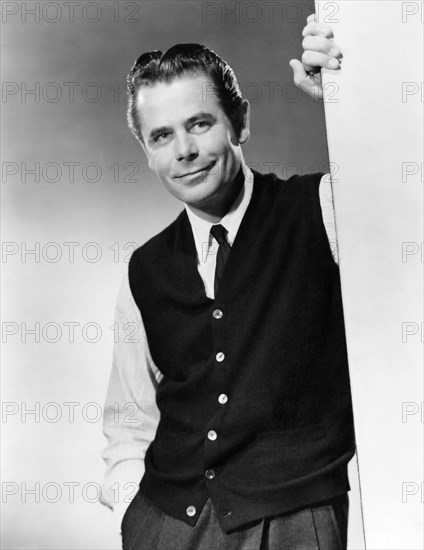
x=130, y=415
x=327, y=208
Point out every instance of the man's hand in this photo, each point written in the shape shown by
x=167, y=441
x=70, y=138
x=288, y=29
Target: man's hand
x=319, y=51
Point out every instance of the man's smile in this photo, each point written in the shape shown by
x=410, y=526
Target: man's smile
x=195, y=173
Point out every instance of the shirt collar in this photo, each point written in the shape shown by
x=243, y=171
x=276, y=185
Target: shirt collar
x=231, y=221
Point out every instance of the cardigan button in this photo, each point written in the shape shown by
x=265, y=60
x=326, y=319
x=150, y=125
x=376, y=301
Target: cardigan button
x=191, y=511
x=212, y=435
x=220, y=356
x=223, y=398
x=217, y=314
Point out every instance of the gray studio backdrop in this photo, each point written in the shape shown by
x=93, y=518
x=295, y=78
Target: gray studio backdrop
x=78, y=197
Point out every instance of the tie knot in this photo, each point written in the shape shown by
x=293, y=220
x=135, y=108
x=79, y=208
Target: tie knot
x=219, y=233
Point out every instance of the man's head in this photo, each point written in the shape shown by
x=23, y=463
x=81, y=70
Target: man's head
x=186, y=110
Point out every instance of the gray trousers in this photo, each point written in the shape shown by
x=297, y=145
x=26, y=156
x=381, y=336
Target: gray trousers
x=320, y=527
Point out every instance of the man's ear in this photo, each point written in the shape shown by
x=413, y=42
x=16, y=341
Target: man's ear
x=244, y=133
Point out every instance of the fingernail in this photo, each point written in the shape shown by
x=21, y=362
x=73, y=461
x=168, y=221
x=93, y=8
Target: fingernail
x=333, y=63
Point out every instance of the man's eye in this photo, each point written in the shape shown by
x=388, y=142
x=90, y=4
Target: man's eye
x=201, y=125
x=162, y=136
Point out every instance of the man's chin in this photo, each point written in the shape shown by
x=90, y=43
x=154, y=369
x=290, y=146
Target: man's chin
x=195, y=195
x=201, y=197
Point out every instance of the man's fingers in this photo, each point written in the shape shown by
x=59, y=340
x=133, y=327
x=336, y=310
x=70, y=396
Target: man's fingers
x=319, y=51
x=299, y=73
x=309, y=83
x=321, y=44
x=311, y=59
x=318, y=29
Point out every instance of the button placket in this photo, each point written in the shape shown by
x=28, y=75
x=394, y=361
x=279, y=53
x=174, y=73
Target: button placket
x=212, y=445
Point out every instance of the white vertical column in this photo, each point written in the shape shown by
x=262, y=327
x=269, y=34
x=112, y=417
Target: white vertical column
x=374, y=119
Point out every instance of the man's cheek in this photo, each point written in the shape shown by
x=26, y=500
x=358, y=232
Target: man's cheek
x=152, y=160
x=151, y=164
x=210, y=142
x=158, y=164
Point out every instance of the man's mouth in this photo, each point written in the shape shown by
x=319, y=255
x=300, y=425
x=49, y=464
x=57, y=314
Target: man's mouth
x=196, y=172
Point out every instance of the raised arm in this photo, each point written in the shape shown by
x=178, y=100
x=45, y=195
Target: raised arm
x=320, y=51
x=130, y=415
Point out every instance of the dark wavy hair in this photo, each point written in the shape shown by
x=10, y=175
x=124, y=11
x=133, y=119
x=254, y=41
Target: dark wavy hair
x=157, y=67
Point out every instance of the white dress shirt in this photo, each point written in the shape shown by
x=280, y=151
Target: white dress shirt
x=131, y=415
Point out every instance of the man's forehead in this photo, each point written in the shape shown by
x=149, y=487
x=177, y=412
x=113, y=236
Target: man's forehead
x=182, y=90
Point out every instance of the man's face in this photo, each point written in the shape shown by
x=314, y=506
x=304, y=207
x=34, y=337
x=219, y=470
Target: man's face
x=189, y=141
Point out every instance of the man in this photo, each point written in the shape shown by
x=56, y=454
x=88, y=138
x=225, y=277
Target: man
x=242, y=351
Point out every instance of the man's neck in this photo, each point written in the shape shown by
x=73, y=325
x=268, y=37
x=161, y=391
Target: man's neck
x=215, y=212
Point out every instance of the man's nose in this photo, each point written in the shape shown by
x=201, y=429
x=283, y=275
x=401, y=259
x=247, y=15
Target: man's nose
x=185, y=147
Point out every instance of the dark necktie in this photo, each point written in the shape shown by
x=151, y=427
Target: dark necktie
x=219, y=233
